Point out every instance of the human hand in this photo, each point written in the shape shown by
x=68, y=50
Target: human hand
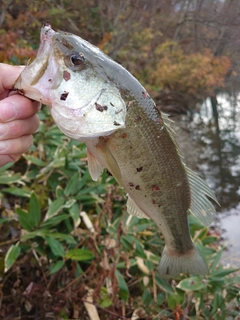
x=18, y=119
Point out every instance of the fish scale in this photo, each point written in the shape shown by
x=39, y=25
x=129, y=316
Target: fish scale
x=95, y=100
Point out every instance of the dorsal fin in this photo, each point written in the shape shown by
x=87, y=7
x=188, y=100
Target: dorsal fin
x=201, y=206
x=171, y=132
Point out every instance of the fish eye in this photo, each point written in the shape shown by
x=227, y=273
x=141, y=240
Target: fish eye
x=77, y=59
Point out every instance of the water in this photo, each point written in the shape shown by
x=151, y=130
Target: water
x=210, y=141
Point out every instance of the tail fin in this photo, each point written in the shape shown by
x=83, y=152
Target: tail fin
x=174, y=264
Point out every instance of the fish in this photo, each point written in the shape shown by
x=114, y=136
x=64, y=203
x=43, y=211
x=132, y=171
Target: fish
x=95, y=100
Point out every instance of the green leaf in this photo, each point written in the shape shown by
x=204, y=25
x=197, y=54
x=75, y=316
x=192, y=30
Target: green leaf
x=69, y=203
x=3, y=220
x=34, y=210
x=83, y=180
x=107, y=302
x=104, y=300
x=194, y=283
x=75, y=212
x=55, y=246
x=66, y=237
x=222, y=273
x=218, y=304
x=217, y=257
x=57, y=163
x=209, y=240
x=122, y=285
x=6, y=166
x=163, y=284
x=73, y=185
x=11, y=256
x=35, y=160
x=25, y=219
x=147, y=297
x=21, y=192
x=37, y=233
x=139, y=249
x=10, y=178
x=54, y=208
x=79, y=254
x=54, y=220
x=56, y=266
x=174, y=300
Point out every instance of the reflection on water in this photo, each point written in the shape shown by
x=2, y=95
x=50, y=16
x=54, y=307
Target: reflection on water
x=215, y=137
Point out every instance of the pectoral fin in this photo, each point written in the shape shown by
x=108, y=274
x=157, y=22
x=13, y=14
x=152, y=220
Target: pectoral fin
x=134, y=210
x=94, y=167
x=106, y=157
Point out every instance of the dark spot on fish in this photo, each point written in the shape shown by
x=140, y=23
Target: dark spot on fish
x=137, y=187
x=115, y=123
x=159, y=206
x=139, y=169
x=155, y=188
x=111, y=104
x=145, y=196
x=100, y=108
x=66, y=75
x=138, y=118
x=145, y=94
x=123, y=135
x=64, y=95
x=117, y=112
x=131, y=184
x=50, y=80
x=153, y=202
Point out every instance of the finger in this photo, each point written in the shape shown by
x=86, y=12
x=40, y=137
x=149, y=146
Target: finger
x=18, y=128
x=9, y=75
x=17, y=107
x=4, y=158
x=16, y=146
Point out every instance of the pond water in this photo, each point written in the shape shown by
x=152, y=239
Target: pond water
x=210, y=142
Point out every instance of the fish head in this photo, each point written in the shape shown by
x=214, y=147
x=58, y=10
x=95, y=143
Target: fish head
x=68, y=75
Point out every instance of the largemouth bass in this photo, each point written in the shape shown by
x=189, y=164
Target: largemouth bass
x=95, y=100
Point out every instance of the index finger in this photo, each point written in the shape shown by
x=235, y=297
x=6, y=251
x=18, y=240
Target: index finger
x=9, y=75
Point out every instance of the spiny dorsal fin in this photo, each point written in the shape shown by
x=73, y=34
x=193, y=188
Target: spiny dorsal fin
x=201, y=206
x=171, y=132
x=134, y=210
